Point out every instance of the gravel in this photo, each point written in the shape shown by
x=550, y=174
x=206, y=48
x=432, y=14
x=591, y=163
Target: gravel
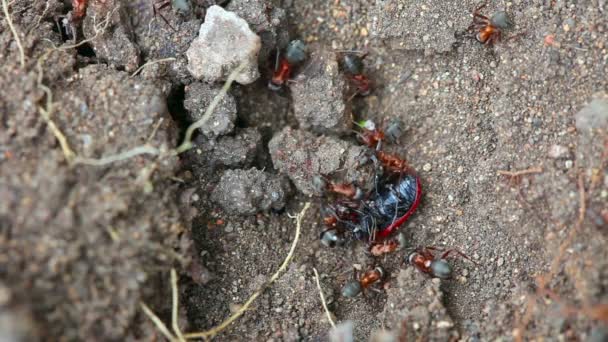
x=246, y=192
x=198, y=97
x=302, y=156
x=318, y=93
x=224, y=42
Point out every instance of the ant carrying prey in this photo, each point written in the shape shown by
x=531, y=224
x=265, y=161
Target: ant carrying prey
x=352, y=64
x=375, y=215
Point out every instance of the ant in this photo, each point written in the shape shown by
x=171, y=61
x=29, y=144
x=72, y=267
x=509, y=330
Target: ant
x=379, y=249
x=79, y=10
x=353, y=66
x=158, y=6
x=489, y=30
x=374, y=215
x=295, y=53
x=359, y=284
x=425, y=261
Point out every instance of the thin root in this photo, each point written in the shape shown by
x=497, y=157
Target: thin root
x=9, y=21
x=331, y=321
x=209, y=334
x=514, y=174
x=162, y=60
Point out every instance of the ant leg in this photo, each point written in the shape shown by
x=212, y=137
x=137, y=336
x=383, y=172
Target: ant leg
x=445, y=255
x=476, y=11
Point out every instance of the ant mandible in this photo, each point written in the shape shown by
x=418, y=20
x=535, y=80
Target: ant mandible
x=295, y=53
x=360, y=284
x=425, y=261
x=489, y=30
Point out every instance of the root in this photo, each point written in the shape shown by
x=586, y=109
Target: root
x=331, y=321
x=517, y=174
x=9, y=21
x=162, y=60
x=211, y=333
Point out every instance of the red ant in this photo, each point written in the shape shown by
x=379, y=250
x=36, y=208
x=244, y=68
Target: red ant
x=489, y=30
x=358, y=285
x=376, y=215
x=79, y=10
x=379, y=249
x=353, y=66
x=295, y=53
x=425, y=261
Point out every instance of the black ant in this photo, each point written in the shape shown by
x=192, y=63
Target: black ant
x=425, y=261
x=357, y=285
x=489, y=30
x=375, y=215
x=295, y=53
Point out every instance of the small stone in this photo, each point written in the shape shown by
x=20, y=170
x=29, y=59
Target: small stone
x=460, y=169
x=569, y=164
x=304, y=157
x=247, y=192
x=593, y=116
x=427, y=167
x=318, y=94
x=198, y=96
x=558, y=151
x=224, y=42
x=500, y=261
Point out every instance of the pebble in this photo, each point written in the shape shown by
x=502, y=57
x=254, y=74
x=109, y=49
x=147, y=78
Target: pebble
x=224, y=42
x=427, y=167
x=500, y=261
x=557, y=151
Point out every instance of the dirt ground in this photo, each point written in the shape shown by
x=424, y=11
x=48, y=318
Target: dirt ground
x=84, y=241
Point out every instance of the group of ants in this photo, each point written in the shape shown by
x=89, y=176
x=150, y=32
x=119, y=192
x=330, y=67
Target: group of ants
x=373, y=215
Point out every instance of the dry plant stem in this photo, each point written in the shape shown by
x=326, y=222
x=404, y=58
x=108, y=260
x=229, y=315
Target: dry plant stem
x=216, y=330
x=187, y=144
x=513, y=174
x=9, y=21
x=331, y=321
x=157, y=322
x=174, y=307
x=151, y=63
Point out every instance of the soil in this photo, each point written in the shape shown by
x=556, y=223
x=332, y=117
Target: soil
x=82, y=245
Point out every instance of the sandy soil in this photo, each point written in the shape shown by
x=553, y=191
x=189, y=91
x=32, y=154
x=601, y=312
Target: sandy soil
x=81, y=245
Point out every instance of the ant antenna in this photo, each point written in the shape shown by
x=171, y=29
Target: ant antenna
x=276, y=62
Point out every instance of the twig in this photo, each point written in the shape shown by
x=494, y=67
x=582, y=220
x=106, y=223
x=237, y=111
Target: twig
x=187, y=143
x=514, y=174
x=14, y=31
x=159, y=324
x=331, y=321
x=134, y=152
x=151, y=63
x=174, y=307
x=216, y=330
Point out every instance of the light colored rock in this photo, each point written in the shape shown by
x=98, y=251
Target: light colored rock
x=594, y=115
x=224, y=42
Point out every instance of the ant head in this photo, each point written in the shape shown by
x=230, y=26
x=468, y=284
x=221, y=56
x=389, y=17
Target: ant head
x=330, y=238
x=501, y=20
x=351, y=289
x=295, y=52
x=353, y=63
x=441, y=269
x=319, y=184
